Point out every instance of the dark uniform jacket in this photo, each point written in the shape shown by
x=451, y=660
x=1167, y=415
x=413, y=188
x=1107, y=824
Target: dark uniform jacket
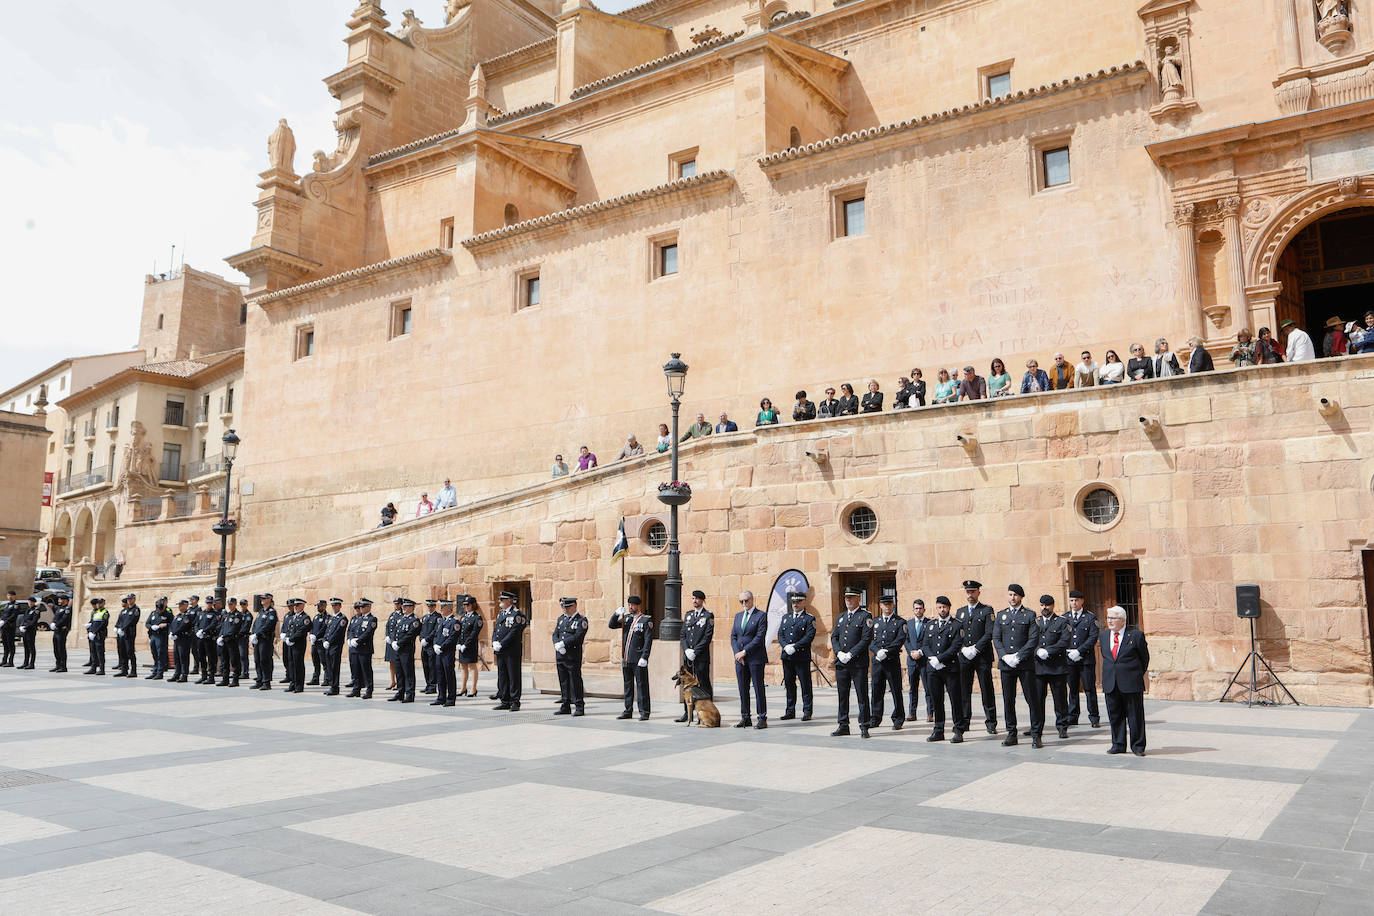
x=1054, y=639
x=9, y=615
x=570, y=631
x=698, y=627
x=319, y=624
x=797, y=630
x=207, y=621
x=230, y=625
x=1083, y=637
x=265, y=626
x=469, y=628
x=157, y=622
x=507, y=629
x=128, y=618
x=406, y=631
x=942, y=638
x=915, y=637
x=977, y=630
x=29, y=621
x=889, y=633
x=334, y=630
x=637, y=636
x=428, y=624
x=446, y=634
x=1014, y=632
x=362, y=628
x=99, y=623
x=295, y=627
x=62, y=618
x=182, y=623
x=852, y=633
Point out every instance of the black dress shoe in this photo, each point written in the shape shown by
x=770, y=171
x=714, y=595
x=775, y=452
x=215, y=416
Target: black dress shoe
x=332, y=692
x=840, y=732
x=1138, y=753
x=448, y=703
x=1036, y=742
x=761, y=724
x=806, y=717
x=1096, y=724
x=394, y=698
x=1116, y=750
x=116, y=674
x=579, y=711
x=787, y=715
x=355, y=694
x=494, y=696
x=1009, y=741
x=563, y=711
x=1026, y=733
x=935, y=736
x=897, y=726
x=744, y=723
x=515, y=707
x=863, y=731
x=683, y=718
x=1063, y=731
x=51, y=670
x=408, y=700
x=265, y=687
x=957, y=739
x=501, y=706
x=644, y=717
x=992, y=729
x=367, y=694
x=313, y=682
x=626, y=715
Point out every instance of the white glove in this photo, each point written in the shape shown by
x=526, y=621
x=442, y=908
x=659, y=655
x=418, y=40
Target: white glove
x=880, y=655
x=23, y=629
x=423, y=643
x=393, y=643
x=969, y=652
x=311, y=637
x=495, y=644
x=1075, y=655
x=289, y=642
x=691, y=654
x=118, y=631
x=220, y=641
x=1012, y=659
x=200, y=634
x=462, y=647
x=326, y=643
x=1043, y=653
x=936, y=663
x=790, y=649
x=558, y=647
x=253, y=639
x=643, y=663
x=91, y=637
x=915, y=653
x=844, y=657
x=353, y=643
x=618, y=612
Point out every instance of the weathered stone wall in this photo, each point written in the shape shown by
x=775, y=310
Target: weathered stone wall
x=23, y=443
x=1246, y=482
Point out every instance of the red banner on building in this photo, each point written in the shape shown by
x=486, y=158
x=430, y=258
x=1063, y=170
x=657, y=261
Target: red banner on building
x=47, y=488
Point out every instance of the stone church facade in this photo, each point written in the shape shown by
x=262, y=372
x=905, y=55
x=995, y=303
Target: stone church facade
x=528, y=207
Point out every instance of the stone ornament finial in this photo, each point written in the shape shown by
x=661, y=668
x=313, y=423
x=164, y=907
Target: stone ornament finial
x=281, y=148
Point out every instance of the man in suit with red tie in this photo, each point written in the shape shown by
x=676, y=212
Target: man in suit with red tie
x=747, y=641
x=1125, y=659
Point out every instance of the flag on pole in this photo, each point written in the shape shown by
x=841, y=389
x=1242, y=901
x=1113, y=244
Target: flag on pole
x=622, y=544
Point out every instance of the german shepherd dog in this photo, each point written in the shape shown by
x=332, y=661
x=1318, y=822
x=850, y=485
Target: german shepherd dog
x=695, y=700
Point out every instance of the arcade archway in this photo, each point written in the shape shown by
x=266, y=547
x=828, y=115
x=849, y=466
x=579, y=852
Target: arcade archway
x=1327, y=270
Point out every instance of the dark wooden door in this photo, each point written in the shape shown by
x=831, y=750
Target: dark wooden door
x=1104, y=584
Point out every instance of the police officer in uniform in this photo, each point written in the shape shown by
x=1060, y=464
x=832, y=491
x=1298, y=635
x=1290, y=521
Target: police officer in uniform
x=126, y=630
x=227, y=644
x=263, y=635
x=1014, y=638
x=889, y=636
x=388, y=647
x=332, y=639
x=975, y=656
x=61, y=626
x=9, y=625
x=636, y=642
x=288, y=650
x=182, y=631
x=428, y=624
x=470, y=625
x=569, y=630
x=194, y=603
x=506, y=633
x=445, y=641
x=796, y=632
x=1082, y=656
x=849, y=641
x=294, y=636
x=698, y=629
x=28, y=630
x=95, y=635
x=361, y=630
x=207, y=631
x=158, y=623
x=318, y=624
x=1051, y=667
x=941, y=640
x=406, y=631
x=245, y=637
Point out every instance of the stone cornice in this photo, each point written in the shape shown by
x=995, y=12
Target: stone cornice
x=871, y=134
x=1324, y=120
x=352, y=277
x=697, y=185
x=364, y=72
x=270, y=255
x=657, y=63
x=512, y=146
x=519, y=113
x=511, y=60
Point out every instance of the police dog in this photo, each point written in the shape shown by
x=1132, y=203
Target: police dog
x=695, y=700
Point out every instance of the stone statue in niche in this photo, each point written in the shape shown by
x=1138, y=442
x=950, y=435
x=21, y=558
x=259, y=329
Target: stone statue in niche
x=1328, y=10
x=139, y=474
x=1170, y=70
x=1333, y=24
x=281, y=148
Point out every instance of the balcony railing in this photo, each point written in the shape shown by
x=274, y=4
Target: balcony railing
x=112, y=419
x=183, y=504
x=171, y=472
x=174, y=415
x=202, y=416
x=226, y=405
x=89, y=429
x=147, y=510
x=211, y=465
x=84, y=479
x=69, y=437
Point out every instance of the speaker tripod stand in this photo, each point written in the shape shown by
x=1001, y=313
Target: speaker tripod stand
x=1255, y=692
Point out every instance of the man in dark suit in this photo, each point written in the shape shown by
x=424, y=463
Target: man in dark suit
x=975, y=657
x=1082, y=655
x=747, y=641
x=636, y=642
x=940, y=642
x=1125, y=659
x=849, y=640
x=1051, y=668
x=796, y=632
x=917, y=666
x=889, y=636
x=1014, y=639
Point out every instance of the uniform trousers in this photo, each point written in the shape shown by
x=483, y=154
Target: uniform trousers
x=228, y=659
x=887, y=674
x=745, y=675
x=30, y=645
x=797, y=667
x=405, y=672
x=317, y=659
x=98, y=653
x=1057, y=685
x=918, y=676
x=427, y=667
x=854, y=674
x=297, y=670
x=636, y=682
x=570, y=691
x=157, y=645
x=7, y=637
x=701, y=670
x=59, y=648
x=508, y=677
x=360, y=667
x=207, y=656
x=947, y=682
x=333, y=661
x=262, y=659
x=181, y=656
x=1026, y=677
x=124, y=646
x=982, y=669
x=1084, y=677
x=448, y=678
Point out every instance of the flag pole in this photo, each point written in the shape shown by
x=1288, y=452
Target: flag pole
x=622, y=567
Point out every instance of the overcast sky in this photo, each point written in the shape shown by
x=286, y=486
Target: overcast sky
x=132, y=127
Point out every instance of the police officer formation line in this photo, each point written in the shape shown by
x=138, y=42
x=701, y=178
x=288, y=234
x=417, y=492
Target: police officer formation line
x=1038, y=654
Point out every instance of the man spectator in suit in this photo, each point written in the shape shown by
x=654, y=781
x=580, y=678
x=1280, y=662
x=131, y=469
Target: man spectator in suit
x=1082, y=655
x=917, y=666
x=849, y=640
x=748, y=641
x=448, y=497
x=1199, y=360
x=1035, y=379
x=1087, y=372
x=1125, y=659
x=1014, y=640
x=972, y=387
x=796, y=632
x=636, y=642
x=975, y=658
x=726, y=425
x=1051, y=667
x=828, y=407
x=1061, y=374
x=698, y=430
x=940, y=643
x=698, y=628
x=803, y=409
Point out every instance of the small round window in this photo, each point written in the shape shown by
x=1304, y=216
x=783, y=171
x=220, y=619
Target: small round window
x=656, y=535
x=1100, y=506
x=862, y=522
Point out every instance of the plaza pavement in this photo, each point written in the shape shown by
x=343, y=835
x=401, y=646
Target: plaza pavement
x=149, y=797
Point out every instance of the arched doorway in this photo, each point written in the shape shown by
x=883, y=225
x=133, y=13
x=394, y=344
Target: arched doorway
x=82, y=533
x=103, y=548
x=1327, y=271
x=60, y=544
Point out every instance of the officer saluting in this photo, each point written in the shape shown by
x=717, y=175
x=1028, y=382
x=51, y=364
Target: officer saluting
x=332, y=639
x=506, y=633
x=975, y=656
x=263, y=634
x=569, y=630
x=698, y=628
x=1014, y=638
x=636, y=642
x=889, y=635
x=61, y=626
x=445, y=641
x=360, y=632
x=796, y=632
x=95, y=634
x=849, y=640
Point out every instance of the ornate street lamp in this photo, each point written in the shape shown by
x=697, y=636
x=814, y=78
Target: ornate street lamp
x=676, y=371
x=225, y=526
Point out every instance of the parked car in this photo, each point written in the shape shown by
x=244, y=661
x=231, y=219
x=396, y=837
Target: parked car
x=47, y=593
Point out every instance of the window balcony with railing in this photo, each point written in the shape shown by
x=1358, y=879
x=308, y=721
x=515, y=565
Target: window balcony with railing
x=202, y=417
x=172, y=472
x=83, y=480
x=112, y=420
x=89, y=429
x=214, y=464
x=183, y=504
x=174, y=415
x=69, y=438
x=147, y=510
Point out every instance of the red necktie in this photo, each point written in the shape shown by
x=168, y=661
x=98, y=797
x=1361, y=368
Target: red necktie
x=1116, y=642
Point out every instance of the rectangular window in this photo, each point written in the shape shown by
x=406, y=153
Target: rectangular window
x=305, y=341
x=171, y=463
x=854, y=216
x=243, y=313
x=400, y=319
x=849, y=211
x=446, y=233
x=112, y=460
x=683, y=164
x=229, y=399
x=1055, y=166
x=90, y=461
x=664, y=256
x=667, y=259
x=174, y=413
x=999, y=84
x=529, y=290
x=994, y=80
x=62, y=384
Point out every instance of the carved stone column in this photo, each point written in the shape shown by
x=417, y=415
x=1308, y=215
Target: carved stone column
x=1290, y=45
x=1189, y=292
x=1293, y=88
x=1235, y=255
x=1263, y=307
